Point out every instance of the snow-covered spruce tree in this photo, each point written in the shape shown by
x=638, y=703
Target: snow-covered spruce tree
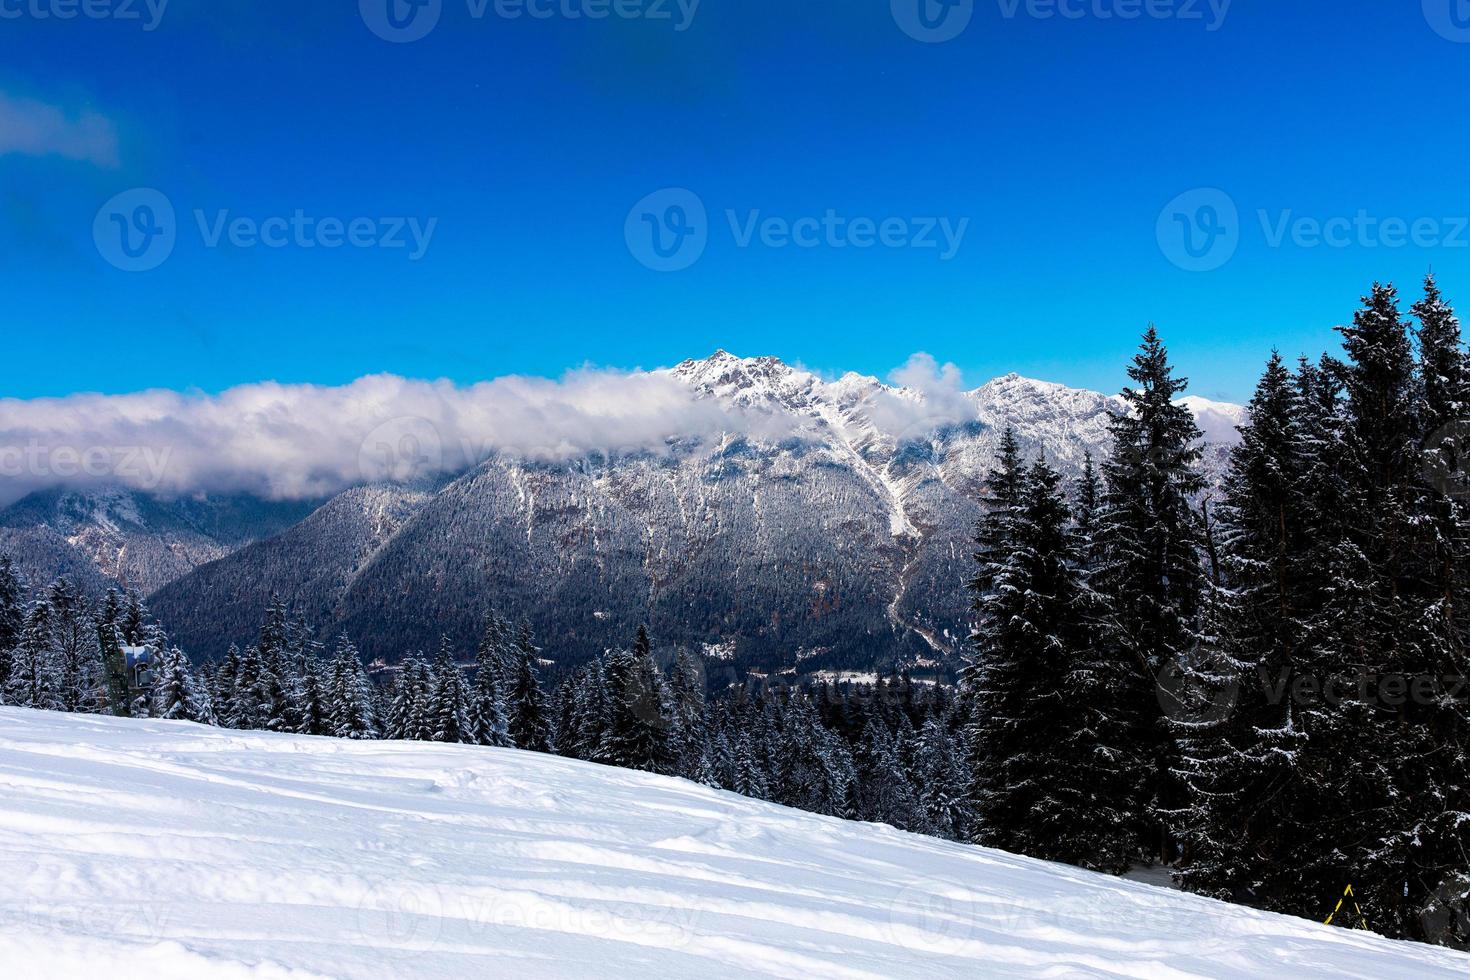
x=1150, y=572
x=250, y=704
x=1443, y=371
x=448, y=709
x=316, y=708
x=1053, y=774
x=529, y=725
x=74, y=644
x=487, y=701
x=640, y=718
x=943, y=782
x=1401, y=796
x=813, y=767
x=885, y=794
x=176, y=695
x=1241, y=739
x=993, y=546
x=12, y=615
x=223, y=691
x=33, y=676
x=351, y=711
x=691, y=727
x=409, y=717
x=589, y=711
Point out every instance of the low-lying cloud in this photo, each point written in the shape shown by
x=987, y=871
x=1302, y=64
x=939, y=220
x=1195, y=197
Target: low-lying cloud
x=305, y=441
x=301, y=441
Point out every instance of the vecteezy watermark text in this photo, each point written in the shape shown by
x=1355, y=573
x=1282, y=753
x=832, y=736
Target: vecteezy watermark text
x=148, y=13
x=1201, y=229
x=137, y=230
x=937, y=21
x=139, y=466
x=669, y=230
x=405, y=21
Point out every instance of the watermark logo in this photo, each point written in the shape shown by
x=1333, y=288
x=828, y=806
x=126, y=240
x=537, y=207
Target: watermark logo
x=933, y=21
x=1211, y=13
x=668, y=230
x=147, y=13
x=402, y=450
x=1198, y=688
x=922, y=919
x=136, y=231
x=401, y=21
x=1449, y=18
x=1199, y=230
x=406, y=916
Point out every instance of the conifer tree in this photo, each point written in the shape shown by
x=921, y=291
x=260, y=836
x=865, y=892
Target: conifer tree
x=77, y=658
x=176, y=695
x=33, y=682
x=1241, y=741
x=1053, y=775
x=448, y=708
x=691, y=729
x=351, y=709
x=487, y=703
x=409, y=717
x=1151, y=571
x=639, y=720
x=12, y=617
x=528, y=723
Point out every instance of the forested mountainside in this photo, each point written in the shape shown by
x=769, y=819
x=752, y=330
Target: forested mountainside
x=842, y=539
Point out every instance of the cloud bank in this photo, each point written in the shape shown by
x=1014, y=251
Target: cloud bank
x=306, y=441
x=301, y=441
x=35, y=128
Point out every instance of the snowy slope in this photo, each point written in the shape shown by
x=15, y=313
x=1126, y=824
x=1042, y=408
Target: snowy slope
x=166, y=850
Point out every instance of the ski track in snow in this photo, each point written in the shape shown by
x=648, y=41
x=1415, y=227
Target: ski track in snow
x=165, y=850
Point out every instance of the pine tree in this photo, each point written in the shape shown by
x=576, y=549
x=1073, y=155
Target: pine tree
x=639, y=721
x=943, y=782
x=1052, y=774
x=78, y=660
x=176, y=695
x=1151, y=572
x=12, y=615
x=250, y=704
x=33, y=676
x=448, y=707
x=885, y=793
x=409, y=716
x=487, y=702
x=691, y=729
x=1240, y=752
x=1443, y=372
x=351, y=710
x=528, y=723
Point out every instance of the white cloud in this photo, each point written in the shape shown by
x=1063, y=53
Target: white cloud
x=298, y=441
x=35, y=128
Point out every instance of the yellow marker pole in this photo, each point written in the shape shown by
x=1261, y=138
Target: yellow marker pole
x=1348, y=893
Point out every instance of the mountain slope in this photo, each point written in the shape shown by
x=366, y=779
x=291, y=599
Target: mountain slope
x=112, y=536
x=167, y=850
x=834, y=531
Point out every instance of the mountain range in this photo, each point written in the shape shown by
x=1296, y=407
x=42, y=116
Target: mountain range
x=834, y=535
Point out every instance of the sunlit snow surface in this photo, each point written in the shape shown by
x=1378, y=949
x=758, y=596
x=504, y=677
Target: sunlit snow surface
x=164, y=850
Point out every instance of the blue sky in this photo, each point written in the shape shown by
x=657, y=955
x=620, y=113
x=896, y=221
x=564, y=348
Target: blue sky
x=525, y=143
